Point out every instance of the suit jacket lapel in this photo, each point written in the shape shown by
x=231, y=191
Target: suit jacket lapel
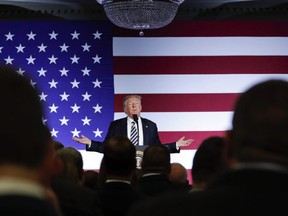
x=145, y=132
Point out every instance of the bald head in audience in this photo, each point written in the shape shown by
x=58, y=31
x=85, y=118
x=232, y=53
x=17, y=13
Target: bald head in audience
x=178, y=173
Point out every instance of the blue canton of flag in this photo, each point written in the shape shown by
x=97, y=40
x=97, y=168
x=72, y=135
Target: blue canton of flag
x=70, y=64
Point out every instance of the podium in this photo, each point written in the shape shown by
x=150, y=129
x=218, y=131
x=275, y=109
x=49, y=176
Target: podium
x=139, y=155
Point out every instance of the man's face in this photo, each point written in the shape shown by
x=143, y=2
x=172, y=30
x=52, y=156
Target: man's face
x=133, y=106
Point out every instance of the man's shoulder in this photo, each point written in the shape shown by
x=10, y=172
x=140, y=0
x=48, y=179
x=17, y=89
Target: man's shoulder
x=117, y=121
x=147, y=121
x=144, y=121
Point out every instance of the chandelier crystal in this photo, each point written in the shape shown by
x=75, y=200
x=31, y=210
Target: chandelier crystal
x=141, y=14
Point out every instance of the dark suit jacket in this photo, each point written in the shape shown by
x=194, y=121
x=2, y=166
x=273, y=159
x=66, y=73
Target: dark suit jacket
x=116, y=198
x=248, y=192
x=119, y=127
x=153, y=185
x=13, y=204
x=75, y=199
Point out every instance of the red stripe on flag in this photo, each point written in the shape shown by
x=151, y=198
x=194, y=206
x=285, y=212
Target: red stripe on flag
x=181, y=102
x=211, y=28
x=197, y=136
x=201, y=65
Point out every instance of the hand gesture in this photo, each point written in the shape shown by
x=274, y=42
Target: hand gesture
x=83, y=140
x=181, y=142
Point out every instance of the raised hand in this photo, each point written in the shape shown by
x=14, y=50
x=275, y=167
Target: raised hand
x=83, y=140
x=181, y=142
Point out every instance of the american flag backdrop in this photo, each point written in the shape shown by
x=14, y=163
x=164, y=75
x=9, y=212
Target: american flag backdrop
x=189, y=74
x=70, y=64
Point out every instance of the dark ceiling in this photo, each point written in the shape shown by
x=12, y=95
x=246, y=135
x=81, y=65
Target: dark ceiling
x=189, y=9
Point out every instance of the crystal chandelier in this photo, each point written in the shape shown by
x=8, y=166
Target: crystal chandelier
x=141, y=14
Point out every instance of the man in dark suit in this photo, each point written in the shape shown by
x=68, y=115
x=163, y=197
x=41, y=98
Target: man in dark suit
x=179, y=176
x=118, y=191
x=146, y=129
x=209, y=162
x=73, y=197
x=256, y=183
x=155, y=170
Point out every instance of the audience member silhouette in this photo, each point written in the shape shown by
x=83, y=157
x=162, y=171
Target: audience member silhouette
x=256, y=183
x=91, y=179
x=209, y=162
x=119, y=164
x=27, y=151
x=179, y=176
x=58, y=145
x=73, y=165
x=74, y=199
x=155, y=169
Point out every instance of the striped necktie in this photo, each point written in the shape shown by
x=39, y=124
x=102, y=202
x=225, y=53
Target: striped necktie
x=134, y=134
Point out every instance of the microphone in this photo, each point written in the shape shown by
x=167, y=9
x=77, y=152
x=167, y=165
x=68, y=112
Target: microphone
x=135, y=118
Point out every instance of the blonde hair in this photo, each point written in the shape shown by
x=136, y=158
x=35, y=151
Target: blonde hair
x=130, y=96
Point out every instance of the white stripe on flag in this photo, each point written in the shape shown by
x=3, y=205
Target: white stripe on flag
x=200, y=46
x=188, y=121
x=174, y=83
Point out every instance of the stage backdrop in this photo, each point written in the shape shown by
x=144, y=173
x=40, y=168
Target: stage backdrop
x=70, y=64
x=189, y=74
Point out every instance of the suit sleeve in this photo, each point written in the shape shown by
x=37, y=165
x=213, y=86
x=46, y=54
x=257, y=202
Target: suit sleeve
x=98, y=146
x=171, y=146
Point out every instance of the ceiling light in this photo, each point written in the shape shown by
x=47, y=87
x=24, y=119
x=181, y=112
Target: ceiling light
x=141, y=14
